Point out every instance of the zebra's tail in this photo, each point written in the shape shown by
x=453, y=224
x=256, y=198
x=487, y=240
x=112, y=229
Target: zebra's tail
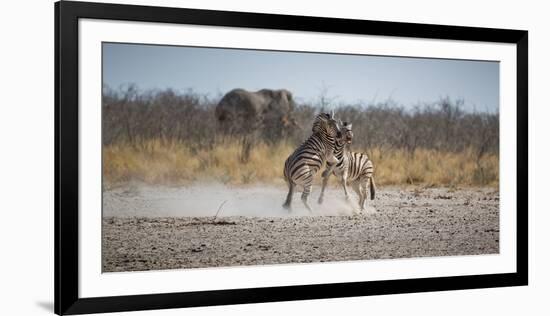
x=372, y=187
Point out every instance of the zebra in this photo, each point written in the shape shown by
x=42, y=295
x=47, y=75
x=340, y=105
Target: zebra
x=351, y=167
x=302, y=165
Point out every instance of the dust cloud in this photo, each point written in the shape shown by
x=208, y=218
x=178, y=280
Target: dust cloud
x=214, y=198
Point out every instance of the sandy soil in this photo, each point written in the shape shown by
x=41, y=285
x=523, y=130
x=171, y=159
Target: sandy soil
x=151, y=228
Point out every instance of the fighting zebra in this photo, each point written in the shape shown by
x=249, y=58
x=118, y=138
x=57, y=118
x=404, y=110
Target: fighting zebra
x=302, y=165
x=351, y=167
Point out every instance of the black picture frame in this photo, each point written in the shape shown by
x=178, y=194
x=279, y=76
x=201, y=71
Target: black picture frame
x=67, y=15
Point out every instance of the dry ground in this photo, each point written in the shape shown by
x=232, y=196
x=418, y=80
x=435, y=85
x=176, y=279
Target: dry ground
x=151, y=228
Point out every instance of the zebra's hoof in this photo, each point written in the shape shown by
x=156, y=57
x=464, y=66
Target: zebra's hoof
x=320, y=201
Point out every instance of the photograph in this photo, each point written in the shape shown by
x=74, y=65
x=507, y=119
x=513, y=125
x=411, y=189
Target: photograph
x=222, y=157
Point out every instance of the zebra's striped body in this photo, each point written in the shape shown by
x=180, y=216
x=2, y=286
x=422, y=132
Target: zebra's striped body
x=302, y=165
x=352, y=167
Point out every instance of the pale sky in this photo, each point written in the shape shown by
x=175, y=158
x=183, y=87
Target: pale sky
x=346, y=78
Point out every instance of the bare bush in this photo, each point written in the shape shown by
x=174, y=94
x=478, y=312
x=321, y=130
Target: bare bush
x=131, y=116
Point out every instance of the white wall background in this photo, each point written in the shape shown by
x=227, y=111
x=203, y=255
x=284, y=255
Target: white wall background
x=26, y=159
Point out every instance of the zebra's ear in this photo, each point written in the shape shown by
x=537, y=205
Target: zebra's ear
x=332, y=114
x=349, y=126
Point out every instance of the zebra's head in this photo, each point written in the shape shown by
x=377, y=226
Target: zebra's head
x=326, y=123
x=347, y=133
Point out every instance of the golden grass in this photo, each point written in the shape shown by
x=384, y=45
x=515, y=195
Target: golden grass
x=172, y=162
x=435, y=168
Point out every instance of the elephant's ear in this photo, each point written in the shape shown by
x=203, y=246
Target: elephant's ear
x=285, y=95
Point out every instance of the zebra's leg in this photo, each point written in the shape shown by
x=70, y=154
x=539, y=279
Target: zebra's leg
x=328, y=170
x=288, y=201
x=330, y=157
x=325, y=181
x=307, y=191
x=344, y=180
x=355, y=186
x=363, y=189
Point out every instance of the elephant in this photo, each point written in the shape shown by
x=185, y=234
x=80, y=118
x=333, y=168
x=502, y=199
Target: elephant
x=265, y=114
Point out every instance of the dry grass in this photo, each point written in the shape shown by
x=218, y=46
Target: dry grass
x=172, y=162
x=435, y=168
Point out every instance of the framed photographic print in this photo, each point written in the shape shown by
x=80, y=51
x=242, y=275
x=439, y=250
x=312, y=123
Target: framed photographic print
x=209, y=158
